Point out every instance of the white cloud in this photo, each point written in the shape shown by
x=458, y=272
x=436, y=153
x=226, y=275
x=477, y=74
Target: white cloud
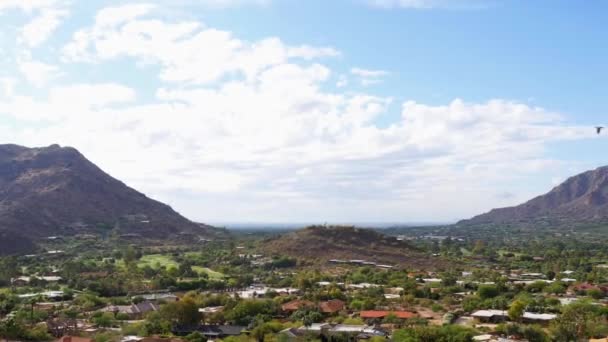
x=41, y=27
x=67, y=105
x=430, y=4
x=110, y=17
x=36, y=72
x=367, y=73
x=249, y=130
x=231, y=3
x=27, y=5
x=7, y=85
x=342, y=81
x=48, y=16
x=186, y=51
x=369, y=77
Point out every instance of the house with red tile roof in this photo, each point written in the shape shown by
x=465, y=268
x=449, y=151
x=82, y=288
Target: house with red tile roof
x=68, y=338
x=332, y=306
x=380, y=314
x=296, y=305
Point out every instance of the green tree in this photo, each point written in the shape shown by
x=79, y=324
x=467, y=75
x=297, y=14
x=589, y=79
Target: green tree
x=196, y=337
x=488, y=291
x=516, y=310
x=578, y=321
x=183, y=312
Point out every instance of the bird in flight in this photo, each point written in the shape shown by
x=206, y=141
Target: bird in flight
x=598, y=129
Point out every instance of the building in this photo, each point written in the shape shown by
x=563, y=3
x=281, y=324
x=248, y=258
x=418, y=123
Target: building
x=159, y=297
x=23, y=281
x=74, y=339
x=211, y=309
x=332, y=306
x=134, y=311
x=211, y=331
x=378, y=315
x=296, y=305
x=52, y=295
x=543, y=318
x=357, y=332
x=491, y=316
x=496, y=316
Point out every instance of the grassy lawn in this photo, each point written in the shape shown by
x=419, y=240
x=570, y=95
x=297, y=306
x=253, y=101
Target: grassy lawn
x=156, y=260
x=160, y=260
x=152, y=260
x=465, y=251
x=211, y=273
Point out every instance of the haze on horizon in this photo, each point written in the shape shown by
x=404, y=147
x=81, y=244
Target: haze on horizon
x=304, y=111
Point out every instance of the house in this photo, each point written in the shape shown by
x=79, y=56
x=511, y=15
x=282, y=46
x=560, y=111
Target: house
x=567, y=300
x=62, y=326
x=492, y=338
x=332, y=306
x=361, y=286
x=74, y=339
x=22, y=281
x=261, y=291
x=211, y=309
x=358, y=332
x=543, y=318
x=491, y=316
x=296, y=305
x=149, y=339
x=159, y=297
x=221, y=331
x=210, y=331
x=431, y=280
x=93, y=275
x=377, y=315
x=582, y=287
x=52, y=295
x=134, y=311
x=495, y=316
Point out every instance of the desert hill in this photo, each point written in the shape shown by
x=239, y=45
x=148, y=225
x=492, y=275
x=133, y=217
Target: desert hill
x=321, y=244
x=581, y=199
x=56, y=191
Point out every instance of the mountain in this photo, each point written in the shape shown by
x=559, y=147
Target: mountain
x=321, y=244
x=56, y=191
x=581, y=199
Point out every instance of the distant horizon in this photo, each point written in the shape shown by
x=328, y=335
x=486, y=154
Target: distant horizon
x=295, y=225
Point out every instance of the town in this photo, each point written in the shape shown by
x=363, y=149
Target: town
x=229, y=290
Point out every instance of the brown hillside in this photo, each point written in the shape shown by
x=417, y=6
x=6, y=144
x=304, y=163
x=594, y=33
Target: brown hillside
x=57, y=191
x=321, y=244
x=581, y=199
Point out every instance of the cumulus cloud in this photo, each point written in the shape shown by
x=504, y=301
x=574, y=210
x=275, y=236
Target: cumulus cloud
x=36, y=72
x=241, y=129
x=49, y=14
x=186, y=51
x=231, y=3
x=27, y=6
x=369, y=77
x=430, y=4
x=42, y=27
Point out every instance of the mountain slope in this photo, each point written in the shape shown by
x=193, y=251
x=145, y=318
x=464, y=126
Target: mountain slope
x=57, y=191
x=581, y=199
x=321, y=244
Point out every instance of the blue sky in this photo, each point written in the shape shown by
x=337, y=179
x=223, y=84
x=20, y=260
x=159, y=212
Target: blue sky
x=339, y=111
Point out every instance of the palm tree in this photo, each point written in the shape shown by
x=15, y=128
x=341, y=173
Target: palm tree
x=33, y=302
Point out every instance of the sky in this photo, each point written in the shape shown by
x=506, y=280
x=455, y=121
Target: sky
x=316, y=110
